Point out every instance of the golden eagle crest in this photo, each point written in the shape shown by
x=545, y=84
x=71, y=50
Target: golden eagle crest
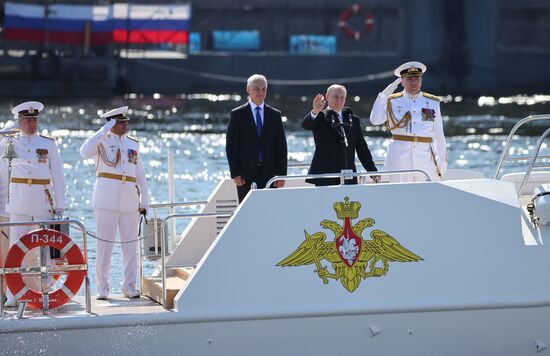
x=352, y=257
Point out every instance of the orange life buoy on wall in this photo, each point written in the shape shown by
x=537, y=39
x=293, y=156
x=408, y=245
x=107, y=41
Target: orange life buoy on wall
x=355, y=9
x=43, y=238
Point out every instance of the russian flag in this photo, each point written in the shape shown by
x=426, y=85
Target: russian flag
x=119, y=23
x=151, y=23
x=65, y=24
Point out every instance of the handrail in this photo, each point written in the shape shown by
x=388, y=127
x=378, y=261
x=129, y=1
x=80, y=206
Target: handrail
x=520, y=123
x=46, y=270
x=154, y=207
x=163, y=244
x=378, y=162
x=526, y=158
x=343, y=175
x=532, y=162
x=32, y=271
x=176, y=204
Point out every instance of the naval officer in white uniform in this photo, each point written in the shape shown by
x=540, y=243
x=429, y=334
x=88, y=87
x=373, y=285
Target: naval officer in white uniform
x=36, y=187
x=414, y=119
x=120, y=194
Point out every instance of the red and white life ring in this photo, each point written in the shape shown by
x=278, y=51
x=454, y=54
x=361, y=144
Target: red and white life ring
x=352, y=10
x=43, y=238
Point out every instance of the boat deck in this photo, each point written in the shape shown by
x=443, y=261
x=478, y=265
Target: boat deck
x=115, y=305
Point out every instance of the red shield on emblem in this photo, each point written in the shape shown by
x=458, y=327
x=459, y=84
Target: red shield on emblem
x=348, y=244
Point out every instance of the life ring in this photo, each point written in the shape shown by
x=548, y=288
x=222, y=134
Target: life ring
x=43, y=238
x=352, y=10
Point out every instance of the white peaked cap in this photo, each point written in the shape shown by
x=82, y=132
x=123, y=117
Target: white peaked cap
x=29, y=108
x=410, y=68
x=119, y=114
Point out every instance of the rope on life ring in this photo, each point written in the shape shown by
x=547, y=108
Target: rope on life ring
x=43, y=238
x=353, y=10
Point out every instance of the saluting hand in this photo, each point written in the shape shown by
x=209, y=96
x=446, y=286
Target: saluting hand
x=319, y=103
x=391, y=88
x=108, y=125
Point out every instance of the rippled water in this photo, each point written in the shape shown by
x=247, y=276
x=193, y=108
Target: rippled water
x=198, y=143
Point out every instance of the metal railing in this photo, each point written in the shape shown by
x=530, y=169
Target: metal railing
x=163, y=243
x=172, y=206
x=377, y=162
x=155, y=208
x=45, y=271
x=532, y=159
x=343, y=176
x=178, y=204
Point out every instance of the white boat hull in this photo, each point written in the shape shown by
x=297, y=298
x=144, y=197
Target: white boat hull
x=501, y=331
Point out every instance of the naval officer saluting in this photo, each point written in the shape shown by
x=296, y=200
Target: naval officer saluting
x=120, y=194
x=414, y=119
x=36, y=187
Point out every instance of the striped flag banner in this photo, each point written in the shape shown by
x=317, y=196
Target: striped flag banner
x=151, y=23
x=117, y=23
x=65, y=23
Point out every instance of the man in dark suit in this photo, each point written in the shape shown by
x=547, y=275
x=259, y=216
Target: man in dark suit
x=256, y=142
x=338, y=135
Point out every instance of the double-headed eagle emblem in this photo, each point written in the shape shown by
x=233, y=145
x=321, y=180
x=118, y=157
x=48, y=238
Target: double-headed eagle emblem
x=352, y=257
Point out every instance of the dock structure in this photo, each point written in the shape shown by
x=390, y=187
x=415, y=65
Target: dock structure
x=472, y=48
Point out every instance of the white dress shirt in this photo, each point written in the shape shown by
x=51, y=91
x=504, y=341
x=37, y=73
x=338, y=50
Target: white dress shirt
x=253, y=107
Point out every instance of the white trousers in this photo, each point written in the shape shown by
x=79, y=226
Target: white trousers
x=107, y=224
x=403, y=155
x=32, y=258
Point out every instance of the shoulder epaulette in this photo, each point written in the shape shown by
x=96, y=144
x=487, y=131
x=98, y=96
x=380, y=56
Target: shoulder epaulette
x=431, y=96
x=14, y=133
x=133, y=138
x=47, y=136
x=395, y=95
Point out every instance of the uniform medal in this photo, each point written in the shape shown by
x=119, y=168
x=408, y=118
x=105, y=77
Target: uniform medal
x=42, y=155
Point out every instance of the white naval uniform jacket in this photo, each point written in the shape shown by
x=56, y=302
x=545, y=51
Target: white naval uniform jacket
x=425, y=121
x=37, y=158
x=114, y=194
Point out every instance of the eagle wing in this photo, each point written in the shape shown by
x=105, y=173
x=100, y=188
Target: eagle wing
x=336, y=228
x=385, y=246
x=361, y=225
x=303, y=256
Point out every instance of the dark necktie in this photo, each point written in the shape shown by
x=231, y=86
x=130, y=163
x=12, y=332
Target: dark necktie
x=258, y=121
x=259, y=130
